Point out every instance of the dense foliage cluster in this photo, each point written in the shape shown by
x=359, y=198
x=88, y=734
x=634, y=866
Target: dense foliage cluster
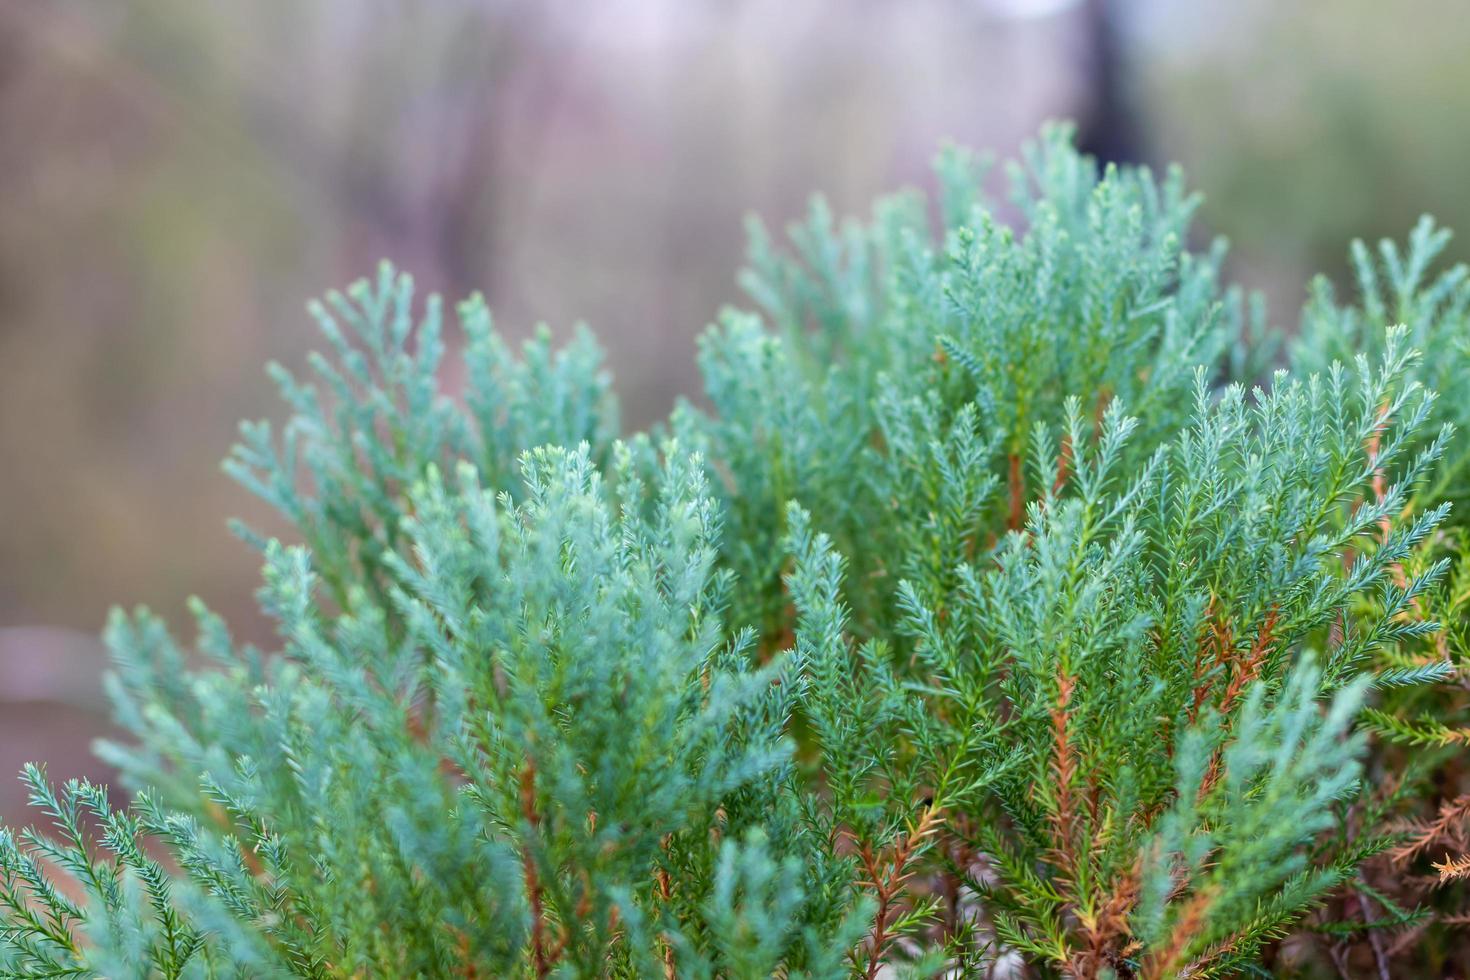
x=1001, y=612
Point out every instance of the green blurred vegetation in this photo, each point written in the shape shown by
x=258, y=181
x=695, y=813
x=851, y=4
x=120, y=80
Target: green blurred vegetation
x=1310, y=124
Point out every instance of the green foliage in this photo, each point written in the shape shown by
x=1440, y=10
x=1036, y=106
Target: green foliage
x=1401, y=285
x=907, y=368
x=983, y=616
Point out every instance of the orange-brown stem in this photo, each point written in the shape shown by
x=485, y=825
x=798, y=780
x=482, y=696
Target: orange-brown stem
x=1017, y=484
x=1453, y=815
x=543, y=957
x=1165, y=962
x=887, y=875
x=1243, y=671
x=1064, y=769
x=1064, y=466
x=1107, y=935
x=1375, y=442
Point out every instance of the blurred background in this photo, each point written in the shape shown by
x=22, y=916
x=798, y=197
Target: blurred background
x=177, y=177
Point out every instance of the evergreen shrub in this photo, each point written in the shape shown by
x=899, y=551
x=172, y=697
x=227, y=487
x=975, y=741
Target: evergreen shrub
x=1010, y=604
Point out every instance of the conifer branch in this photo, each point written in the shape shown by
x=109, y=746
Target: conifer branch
x=984, y=533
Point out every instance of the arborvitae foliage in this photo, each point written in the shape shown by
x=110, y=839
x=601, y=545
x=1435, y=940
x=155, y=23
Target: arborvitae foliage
x=981, y=624
x=1410, y=903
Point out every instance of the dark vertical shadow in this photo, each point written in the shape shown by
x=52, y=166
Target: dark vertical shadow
x=1111, y=128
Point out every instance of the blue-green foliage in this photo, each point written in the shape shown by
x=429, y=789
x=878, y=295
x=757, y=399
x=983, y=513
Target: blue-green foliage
x=897, y=350
x=1403, y=286
x=362, y=433
x=980, y=617
x=1238, y=850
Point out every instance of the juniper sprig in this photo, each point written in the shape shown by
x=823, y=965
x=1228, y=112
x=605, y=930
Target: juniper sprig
x=986, y=614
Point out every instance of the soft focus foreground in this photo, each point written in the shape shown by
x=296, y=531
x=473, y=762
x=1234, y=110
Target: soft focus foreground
x=915, y=659
x=177, y=179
